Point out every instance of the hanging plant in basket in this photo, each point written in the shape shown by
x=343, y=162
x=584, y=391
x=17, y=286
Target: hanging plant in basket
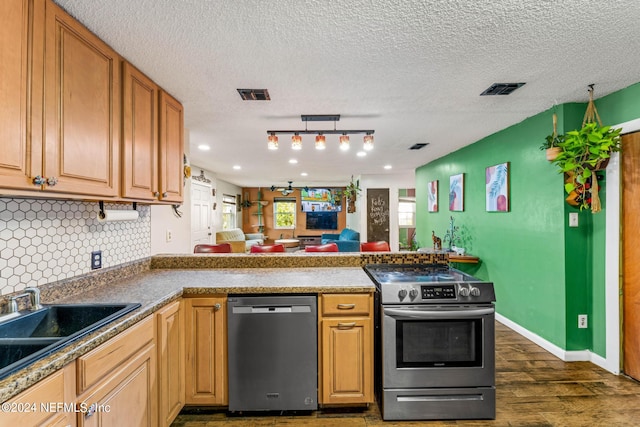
x=552, y=142
x=584, y=151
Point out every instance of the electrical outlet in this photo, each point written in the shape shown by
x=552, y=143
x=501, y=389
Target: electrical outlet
x=169, y=235
x=96, y=260
x=582, y=321
x=573, y=219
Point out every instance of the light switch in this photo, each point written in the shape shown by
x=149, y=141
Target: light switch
x=573, y=219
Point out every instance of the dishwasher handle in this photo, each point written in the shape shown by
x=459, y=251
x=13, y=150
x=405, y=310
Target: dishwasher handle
x=270, y=309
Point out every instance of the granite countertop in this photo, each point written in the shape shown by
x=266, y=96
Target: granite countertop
x=155, y=288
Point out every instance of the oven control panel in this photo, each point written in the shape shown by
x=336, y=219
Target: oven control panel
x=438, y=292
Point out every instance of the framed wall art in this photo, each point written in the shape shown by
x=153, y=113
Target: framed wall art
x=456, y=192
x=497, y=185
x=432, y=196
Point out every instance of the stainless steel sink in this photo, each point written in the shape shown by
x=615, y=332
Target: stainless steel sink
x=34, y=335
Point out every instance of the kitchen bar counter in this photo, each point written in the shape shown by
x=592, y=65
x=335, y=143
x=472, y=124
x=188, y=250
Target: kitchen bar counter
x=157, y=281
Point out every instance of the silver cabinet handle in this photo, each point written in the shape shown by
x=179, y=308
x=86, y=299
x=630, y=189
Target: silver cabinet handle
x=346, y=325
x=217, y=307
x=346, y=306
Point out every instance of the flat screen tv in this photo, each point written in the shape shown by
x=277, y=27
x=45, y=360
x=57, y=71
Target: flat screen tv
x=319, y=200
x=322, y=220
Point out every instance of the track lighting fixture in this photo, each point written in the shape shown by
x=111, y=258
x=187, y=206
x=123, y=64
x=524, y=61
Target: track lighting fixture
x=273, y=142
x=296, y=142
x=296, y=139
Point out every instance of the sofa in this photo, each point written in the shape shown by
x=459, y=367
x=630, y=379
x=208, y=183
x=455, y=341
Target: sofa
x=240, y=241
x=348, y=240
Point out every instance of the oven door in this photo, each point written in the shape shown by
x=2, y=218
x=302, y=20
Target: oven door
x=438, y=346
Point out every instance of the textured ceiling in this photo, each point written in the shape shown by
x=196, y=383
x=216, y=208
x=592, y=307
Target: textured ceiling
x=412, y=70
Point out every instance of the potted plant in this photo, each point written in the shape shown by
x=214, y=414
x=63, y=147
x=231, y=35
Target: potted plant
x=350, y=193
x=584, y=151
x=552, y=142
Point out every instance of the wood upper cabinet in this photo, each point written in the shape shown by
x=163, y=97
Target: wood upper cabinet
x=140, y=135
x=206, y=371
x=346, y=348
x=81, y=109
x=18, y=87
x=171, y=148
x=171, y=362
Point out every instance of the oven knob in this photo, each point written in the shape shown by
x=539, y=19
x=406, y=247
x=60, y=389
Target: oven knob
x=475, y=292
x=413, y=293
x=463, y=292
x=402, y=293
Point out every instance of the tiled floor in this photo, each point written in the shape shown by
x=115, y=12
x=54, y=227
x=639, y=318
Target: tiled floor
x=534, y=388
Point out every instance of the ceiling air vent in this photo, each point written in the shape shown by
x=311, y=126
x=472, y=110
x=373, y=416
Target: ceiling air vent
x=501, y=88
x=254, y=94
x=418, y=146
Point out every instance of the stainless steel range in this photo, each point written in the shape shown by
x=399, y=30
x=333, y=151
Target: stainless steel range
x=436, y=340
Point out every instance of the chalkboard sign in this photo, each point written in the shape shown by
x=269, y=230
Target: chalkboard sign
x=377, y=214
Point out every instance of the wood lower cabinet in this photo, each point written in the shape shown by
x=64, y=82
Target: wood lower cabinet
x=206, y=339
x=346, y=349
x=118, y=380
x=170, y=343
x=41, y=404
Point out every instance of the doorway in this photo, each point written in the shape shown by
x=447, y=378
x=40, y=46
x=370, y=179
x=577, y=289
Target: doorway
x=200, y=213
x=630, y=252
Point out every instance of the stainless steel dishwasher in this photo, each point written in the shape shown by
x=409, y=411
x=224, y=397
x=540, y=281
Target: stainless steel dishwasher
x=273, y=353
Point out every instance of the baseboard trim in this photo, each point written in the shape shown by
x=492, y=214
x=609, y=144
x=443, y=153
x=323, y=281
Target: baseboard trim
x=560, y=353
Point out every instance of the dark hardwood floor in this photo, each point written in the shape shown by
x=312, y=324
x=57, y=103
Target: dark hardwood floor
x=534, y=388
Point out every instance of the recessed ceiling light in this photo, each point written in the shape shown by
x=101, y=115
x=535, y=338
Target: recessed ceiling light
x=361, y=154
x=293, y=161
x=304, y=174
x=204, y=147
x=237, y=167
x=387, y=166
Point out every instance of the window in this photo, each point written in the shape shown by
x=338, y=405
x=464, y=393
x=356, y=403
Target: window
x=407, y=214
x=284, y=212
x=228, y=212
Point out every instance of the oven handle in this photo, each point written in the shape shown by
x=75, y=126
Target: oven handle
x=437, y=314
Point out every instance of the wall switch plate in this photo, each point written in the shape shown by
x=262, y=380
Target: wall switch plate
x=582, y=321
x=169, y=235
x=573, y=219
x=96, y=260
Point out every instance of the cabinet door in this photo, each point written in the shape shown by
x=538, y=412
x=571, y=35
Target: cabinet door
x=171, y=391
x=16, y=70
x=126, y=398
x=140, y=135
x=347, y=360
x=206, y=373
x=82, y=108
x=39, y=404
x=171, y=149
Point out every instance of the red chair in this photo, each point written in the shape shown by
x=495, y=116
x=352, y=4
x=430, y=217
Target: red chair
x=380, y=246
x=221, y=248
x=327, y=247
x=255, y=249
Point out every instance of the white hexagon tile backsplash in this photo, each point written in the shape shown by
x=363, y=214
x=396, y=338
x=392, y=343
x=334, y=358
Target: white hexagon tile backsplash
x=42, y=241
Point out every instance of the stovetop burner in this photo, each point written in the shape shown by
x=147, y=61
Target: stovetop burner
x=428, y=284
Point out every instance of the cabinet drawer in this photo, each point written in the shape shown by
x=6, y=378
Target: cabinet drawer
x=99, y=362
x=346, y=304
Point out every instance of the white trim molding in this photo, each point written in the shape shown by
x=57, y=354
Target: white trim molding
x=567, y=356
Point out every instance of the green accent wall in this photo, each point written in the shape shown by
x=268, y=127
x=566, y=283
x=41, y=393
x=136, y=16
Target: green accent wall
x=545, y=273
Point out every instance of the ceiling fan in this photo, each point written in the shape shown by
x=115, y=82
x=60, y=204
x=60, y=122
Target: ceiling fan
x=284, y=190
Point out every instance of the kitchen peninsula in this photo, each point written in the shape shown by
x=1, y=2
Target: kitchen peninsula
x=175, y=290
